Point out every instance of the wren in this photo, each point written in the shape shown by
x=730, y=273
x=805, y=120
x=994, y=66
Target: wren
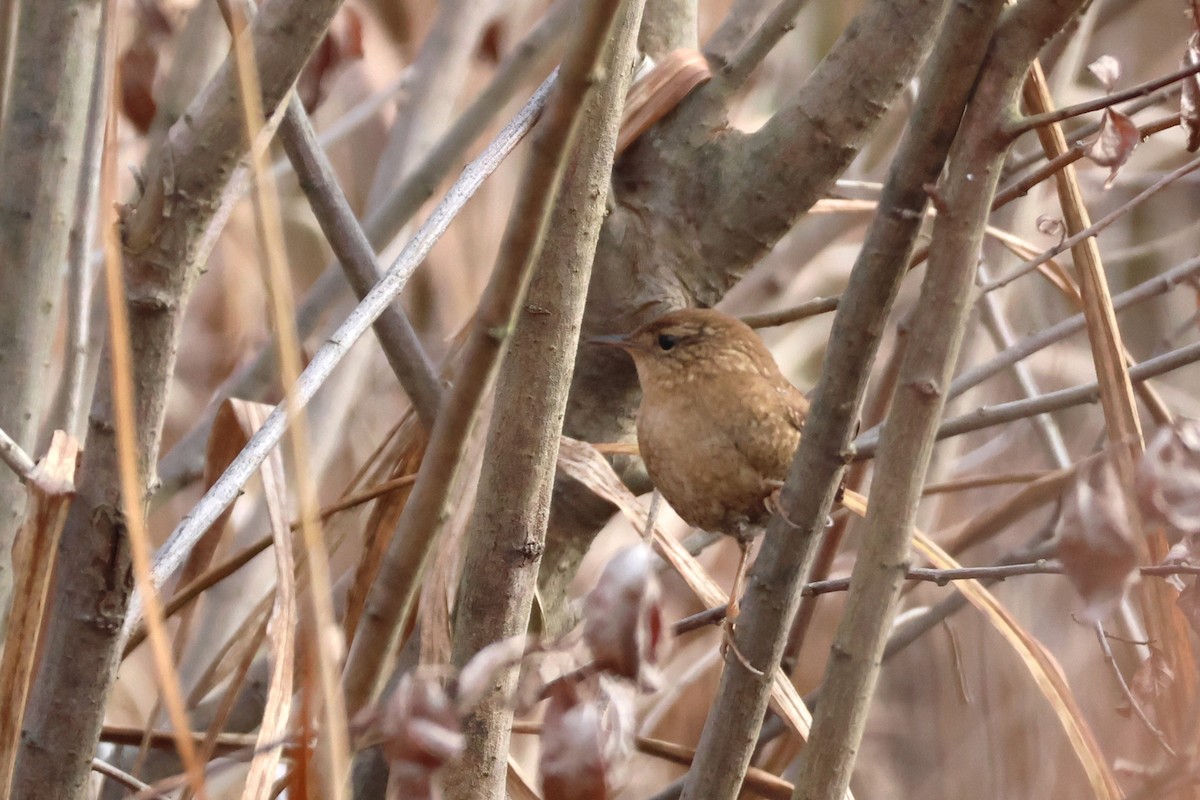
x=718, y=422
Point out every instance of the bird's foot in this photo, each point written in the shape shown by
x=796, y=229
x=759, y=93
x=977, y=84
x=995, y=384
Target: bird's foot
x=774, y=506
x=729, y=645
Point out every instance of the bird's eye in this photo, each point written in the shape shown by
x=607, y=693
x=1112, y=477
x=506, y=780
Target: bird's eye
x=666, y=341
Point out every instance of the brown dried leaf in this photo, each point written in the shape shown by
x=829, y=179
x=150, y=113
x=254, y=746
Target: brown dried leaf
x=586, y=743
x=623, y=618
x=654, y=95
x=137, y=66
x=1168, y=478
x=421, y=732
x=50, y=493
x=1107, y=70
x=1095, y=540
x=1189, y=100
x=1150, y=685
x=342, y=45
x=1114, y=143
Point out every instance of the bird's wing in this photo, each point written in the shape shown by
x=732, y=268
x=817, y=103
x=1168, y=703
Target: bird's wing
x=797, y=405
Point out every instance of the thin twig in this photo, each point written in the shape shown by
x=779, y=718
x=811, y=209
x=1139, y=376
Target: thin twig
x=1095, y=228
x=811, y=308
x=1066, y=112
x=1001, y=413
x=125, y=779
x=780, y=22
x=997, y=324
x=16, y=458
x=1115, y=668
x=1021, y=187
x=396, y=586
x=1148, y=289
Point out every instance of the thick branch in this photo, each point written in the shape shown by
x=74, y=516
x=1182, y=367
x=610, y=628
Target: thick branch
x=939, y=323
x=168, y=233
x=508, y=528
x=774, y=586
x=396, y=586
x=41, y=157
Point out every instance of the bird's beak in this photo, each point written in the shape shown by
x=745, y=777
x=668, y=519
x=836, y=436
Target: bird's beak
x=612, y=340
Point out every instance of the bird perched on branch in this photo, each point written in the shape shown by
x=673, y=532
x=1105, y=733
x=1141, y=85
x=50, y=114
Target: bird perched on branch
x=718, y=423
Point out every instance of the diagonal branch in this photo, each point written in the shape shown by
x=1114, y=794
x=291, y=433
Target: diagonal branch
x=508, y=526
x=396, y=586
x=727, y=742
x=191, y=183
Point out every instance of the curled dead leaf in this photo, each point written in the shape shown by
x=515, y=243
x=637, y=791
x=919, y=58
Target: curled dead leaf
x=623, y=618
x=1168, y=478
x=1095, y=540
x=654, y=94
x=586, y=741
x=342, y=45
x=1149, y=685
x=1107, y=70
x=1189, y=603
x=1052, y=226
x=1114, y=144
x=420, y=732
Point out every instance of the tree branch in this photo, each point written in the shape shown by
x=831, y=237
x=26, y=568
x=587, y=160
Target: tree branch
x=774, y=584
x=397, y=583
x=356, y=255
x=939, y=323
x=185, y=459
x=507, y=531
x=226, y=489
x=190, y=186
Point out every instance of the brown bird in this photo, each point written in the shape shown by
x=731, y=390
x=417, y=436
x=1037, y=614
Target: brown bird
x=718, y=424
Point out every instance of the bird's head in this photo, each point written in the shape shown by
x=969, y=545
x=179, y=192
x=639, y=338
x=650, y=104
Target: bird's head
x=682, y=346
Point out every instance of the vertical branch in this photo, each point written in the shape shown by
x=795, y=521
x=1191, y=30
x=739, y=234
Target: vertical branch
x=508, y=528
x=190, y=187
x=773, y=591
x=395, y=588
x=325, y=699
x=41, y=154
x=938, y=323
x=1164, y=622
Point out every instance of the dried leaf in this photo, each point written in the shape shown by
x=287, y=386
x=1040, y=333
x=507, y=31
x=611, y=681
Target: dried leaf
x=1168, y=478
x=478, y=675
x=1107, y=70
x=1189, y=100
x=342, y=45
x=1149, y=686
x=623, y=618
x=657, y=92
x=586, y=743
x=421, y=732
x=137, y=66
x=1095, y=540
x=1114, y=143
x=1052, y=226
